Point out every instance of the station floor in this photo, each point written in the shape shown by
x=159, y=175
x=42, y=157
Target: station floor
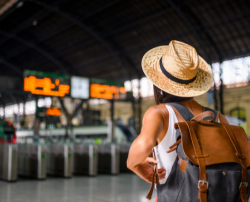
x=102, y=188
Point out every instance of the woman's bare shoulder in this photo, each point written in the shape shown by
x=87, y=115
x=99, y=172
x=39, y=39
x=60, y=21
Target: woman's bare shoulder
x=156, y=113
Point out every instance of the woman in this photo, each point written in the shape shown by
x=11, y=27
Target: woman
x=178, y=74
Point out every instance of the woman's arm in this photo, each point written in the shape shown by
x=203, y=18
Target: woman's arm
x=138, y=160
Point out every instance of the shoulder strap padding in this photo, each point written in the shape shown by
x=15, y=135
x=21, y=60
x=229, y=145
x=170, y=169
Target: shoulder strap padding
x=182, y=109
x=178, y=115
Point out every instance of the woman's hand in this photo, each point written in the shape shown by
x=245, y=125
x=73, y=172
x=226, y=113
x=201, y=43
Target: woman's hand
x=146, y=171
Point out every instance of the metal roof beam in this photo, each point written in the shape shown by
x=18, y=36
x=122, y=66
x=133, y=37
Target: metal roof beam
x=38, y=49
x=27, y=23
x=237, y=30
x=191, y=28
x=209, y=38
x=87, y=29
x=228, y=29
x=44, y=12
x=12, y=66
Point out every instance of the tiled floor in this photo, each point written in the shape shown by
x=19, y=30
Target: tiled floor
x=103, y=188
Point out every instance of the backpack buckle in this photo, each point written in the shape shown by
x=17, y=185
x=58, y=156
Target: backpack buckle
x=203, y=182
x=243, y=183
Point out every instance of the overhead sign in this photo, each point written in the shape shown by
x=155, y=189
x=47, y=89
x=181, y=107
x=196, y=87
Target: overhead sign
x=44, y=83
x=53, y=111
x=105, y=91
x=79, y=87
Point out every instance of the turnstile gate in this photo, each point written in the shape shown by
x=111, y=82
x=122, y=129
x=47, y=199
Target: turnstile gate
x=32, y=160
x=59, y=159
x=85, y=159
x=8, y=159
x=108, y=158
x=124, y=149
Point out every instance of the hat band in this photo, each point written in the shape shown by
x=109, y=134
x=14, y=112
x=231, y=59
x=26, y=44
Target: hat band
x=171, y=77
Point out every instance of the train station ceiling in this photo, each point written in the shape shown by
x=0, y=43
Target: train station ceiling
x=107, y=39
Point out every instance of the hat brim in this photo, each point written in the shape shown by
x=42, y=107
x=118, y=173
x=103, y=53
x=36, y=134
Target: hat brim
x=151, y=68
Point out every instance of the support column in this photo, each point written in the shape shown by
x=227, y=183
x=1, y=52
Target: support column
x=137, y=111
x=138, y=115
x=221, y=91
x=69, y=116
x=37, y=121
x=112, y=124
x=3, y=111
x=24, y=109
x=215, y=95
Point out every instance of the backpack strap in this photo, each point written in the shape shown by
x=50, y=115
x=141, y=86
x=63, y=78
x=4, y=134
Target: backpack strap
x=203, y=115
x=202, y=183
x=155, y=175
x=222, y=118
x=242, y=159
x=217, y=117
x=182, y=110
x=177, y=113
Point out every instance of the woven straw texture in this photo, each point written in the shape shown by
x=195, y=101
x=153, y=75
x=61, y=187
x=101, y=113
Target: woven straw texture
x=181, y=61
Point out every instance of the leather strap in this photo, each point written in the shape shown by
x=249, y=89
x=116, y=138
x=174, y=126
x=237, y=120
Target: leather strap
x=202, y=184
x=203, y=108
x=203, y=115
x=182, y=164
x=222, y=119
x=217, y=117
x=242, y=159
x=174, y=146
x=155, y=175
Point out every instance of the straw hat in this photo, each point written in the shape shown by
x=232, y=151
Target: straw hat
x=177, y=69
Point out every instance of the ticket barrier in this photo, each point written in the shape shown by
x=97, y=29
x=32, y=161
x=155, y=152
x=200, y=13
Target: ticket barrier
x=32, y=160
x=124, y=149
x=109, y=158
x=85, y=159
x=8, y=159
x=59, y=159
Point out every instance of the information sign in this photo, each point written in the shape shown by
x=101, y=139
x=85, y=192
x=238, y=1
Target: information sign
x=79, y=87
x=53, y=111
x=44, y=83
x=105, y=89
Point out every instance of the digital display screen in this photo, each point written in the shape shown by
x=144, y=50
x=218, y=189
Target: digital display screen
x=44, y=83
x=53, y=111
x=103, y=91
x=79, y=87
x=106, y=89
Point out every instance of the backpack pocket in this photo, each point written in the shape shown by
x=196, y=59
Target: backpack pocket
x=223, y=185
x=189, y=190
x=232, y=181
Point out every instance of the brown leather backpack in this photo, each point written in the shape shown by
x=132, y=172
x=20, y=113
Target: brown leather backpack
x=207, y=143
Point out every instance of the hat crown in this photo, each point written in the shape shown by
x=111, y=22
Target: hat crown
x=181, y=60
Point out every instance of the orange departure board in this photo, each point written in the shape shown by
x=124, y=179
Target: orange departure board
x=49, y=84
x=53, y=111
x=104, y=91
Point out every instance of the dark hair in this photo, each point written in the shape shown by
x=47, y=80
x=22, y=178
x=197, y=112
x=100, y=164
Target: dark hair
x=163, y=97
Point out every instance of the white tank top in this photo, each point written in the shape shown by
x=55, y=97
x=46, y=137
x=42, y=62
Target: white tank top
x=165, y=159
